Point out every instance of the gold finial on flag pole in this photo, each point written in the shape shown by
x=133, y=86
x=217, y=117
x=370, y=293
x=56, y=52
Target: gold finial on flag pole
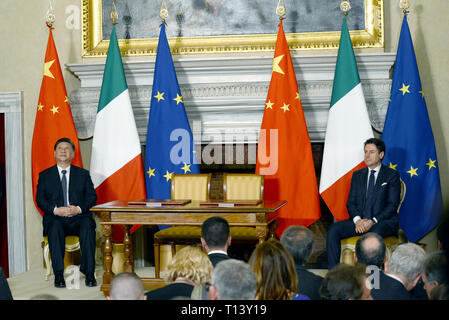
x=280, y=9
x=404, y=5
x=345, y=6
x=163, y=12
x=113, y=14
x=50, y=17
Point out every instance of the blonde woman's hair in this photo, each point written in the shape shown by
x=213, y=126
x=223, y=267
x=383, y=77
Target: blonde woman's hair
x=191, y=263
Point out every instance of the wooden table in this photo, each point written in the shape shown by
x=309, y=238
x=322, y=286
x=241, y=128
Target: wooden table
x=263, y=217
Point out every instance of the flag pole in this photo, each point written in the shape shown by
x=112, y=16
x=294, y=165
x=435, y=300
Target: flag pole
x=163, y=12
x=50, y=17
x=345, y=6
x=113, y=15
x=404, y=5
x=281, y=10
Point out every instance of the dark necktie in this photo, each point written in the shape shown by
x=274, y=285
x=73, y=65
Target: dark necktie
x=64, y=187
x=369, y=195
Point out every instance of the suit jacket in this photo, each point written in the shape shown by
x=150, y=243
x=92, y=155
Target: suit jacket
x=170, y=291
x=5, y=291
x=217, y=257
x=390, y=289
x=49, y=193
x=386, y=197
x=308, y=283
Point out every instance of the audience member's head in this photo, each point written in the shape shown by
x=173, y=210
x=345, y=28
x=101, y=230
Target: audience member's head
x=233, y=280
x=126, y=286
x=435, y=271
x=275, y=271
x=345, y=282
x=370, y=250
x=192, y=264
x=406, y=263
x=215, y=234
x=298, y=240
x=440, y=293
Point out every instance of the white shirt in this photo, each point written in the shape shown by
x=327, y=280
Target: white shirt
x=217, y=251
x=357, y=218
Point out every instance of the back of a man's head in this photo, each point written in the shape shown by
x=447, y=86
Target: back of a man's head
x=234, y=280
x=298, y=240
x=435, y=268
x=370, y=250
x=126, y=286
x=215, y=232
x=407, y=261
x=344, y=282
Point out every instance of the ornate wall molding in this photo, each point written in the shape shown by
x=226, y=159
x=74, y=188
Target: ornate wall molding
x=227, y=95
x=11, y=104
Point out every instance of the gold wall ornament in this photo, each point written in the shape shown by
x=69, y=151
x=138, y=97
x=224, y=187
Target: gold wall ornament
x=95, y=45
x=404, y=5
x=280, y=9
x=345, y=6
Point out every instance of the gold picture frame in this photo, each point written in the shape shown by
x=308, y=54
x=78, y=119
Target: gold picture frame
x=95, y=46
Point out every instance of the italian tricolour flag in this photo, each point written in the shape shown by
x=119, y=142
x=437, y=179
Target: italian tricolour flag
x=116, y=165
x=348, y=127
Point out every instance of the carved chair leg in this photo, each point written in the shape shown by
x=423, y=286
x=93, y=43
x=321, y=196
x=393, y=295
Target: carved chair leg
x=157, y=257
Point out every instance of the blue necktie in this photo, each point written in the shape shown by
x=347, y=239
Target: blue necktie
x=369, y=195
x=64, y=187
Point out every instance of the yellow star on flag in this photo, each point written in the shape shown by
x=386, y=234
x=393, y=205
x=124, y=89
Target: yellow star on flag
x=168, y=175
x=393, y=166
x=151, y=172
x=186, y=167
x=66, y=99
x=276, y=67
x=159, y=96
x=54, y=110
x=404, y=89
x=422, y=93
x=285, y=107
x=412, y=171
x=269, y=104
x=298, y=96
x=40, y=107
x=47, y=66
x=178, y=99
x=431, y=164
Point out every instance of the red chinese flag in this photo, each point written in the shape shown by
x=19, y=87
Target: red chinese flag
x=284, y=154
x=53, y=118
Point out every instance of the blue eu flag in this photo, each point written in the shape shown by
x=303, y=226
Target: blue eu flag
x=410, y=144
x=169, y=147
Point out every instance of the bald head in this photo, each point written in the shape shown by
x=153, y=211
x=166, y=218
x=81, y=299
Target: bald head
x=126, y=286
x=370, y=250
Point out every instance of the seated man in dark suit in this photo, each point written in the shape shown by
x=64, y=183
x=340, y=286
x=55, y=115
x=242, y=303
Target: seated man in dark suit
x=216, y=239
x=65, y=193
x=402, y=273
x=298, y=240
x=372, y=203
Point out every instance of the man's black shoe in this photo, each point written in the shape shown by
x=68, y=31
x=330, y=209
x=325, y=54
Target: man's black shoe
x=90, y=281
x=59, y=281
